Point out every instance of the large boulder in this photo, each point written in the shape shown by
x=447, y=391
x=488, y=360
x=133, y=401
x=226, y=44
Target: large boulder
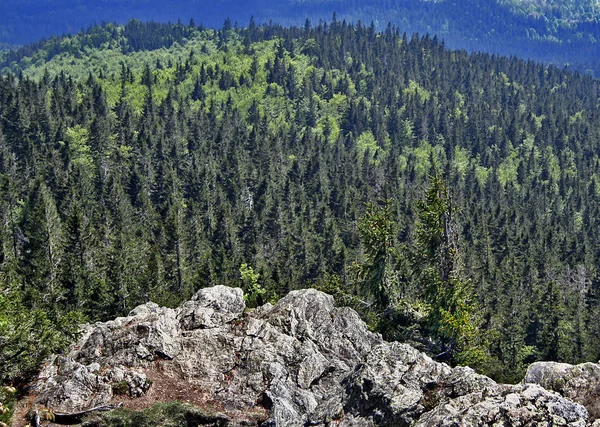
x=579, y=383
x=211, y=308
x=528, y=405
x=299, y=362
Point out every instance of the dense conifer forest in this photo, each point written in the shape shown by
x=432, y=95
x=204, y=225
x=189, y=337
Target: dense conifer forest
x=451, y=198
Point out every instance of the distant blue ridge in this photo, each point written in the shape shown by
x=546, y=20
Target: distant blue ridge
x=473, y=25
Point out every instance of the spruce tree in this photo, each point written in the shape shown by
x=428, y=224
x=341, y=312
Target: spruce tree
x=436, y=264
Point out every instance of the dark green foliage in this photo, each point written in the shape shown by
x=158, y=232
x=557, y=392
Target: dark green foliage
x=557, y=32
x=435, y=256
x=436, y=264
x=376, y=230
x=28, y=335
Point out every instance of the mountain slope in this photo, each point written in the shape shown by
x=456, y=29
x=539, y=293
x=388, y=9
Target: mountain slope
x=248, y=157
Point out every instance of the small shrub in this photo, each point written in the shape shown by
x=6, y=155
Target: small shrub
x=120, y=388
x=253, y=289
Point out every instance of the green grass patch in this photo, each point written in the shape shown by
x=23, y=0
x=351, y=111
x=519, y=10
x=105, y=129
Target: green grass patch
x=169, y=414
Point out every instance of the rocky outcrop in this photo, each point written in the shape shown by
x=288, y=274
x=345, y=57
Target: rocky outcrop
x=301, y=362
x=579, y=383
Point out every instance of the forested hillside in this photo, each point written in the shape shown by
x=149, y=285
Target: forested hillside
x=559, y=33
x=555, y=32
x=442, y=194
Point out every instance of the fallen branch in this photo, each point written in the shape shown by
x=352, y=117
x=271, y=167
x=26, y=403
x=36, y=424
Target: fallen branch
x=37, y=416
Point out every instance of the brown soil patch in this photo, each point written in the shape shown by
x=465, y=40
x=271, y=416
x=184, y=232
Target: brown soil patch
x=21, y=409
x=166, y=386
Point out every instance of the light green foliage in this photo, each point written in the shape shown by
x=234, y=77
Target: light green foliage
x=576, y=117
x=538, y=120
x=366, y=145
x=528, y=144
x=365, y=81
x=567, y=165
x=329, y=128
x=253, y=290
x=459, y=322
x=481, y=174
x=422, y=155
x=578, y=221
x=402, y=163
x=553, y=168
x=459, y=100
x=416, y=90
x=461, y=161
x=508, y=170
x=332, y=112
x=504, y=78
x=78, y=138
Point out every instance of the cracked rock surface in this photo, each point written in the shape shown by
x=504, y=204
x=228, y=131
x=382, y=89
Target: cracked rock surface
x=302, y=361
x=579, y=383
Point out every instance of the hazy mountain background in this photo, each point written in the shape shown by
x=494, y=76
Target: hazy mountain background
x=560, y=33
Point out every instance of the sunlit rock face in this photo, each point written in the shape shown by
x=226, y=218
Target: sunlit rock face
x=299, y=362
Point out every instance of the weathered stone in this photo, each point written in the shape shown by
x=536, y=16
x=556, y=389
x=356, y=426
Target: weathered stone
x=301, y=362
x=522, y=406
x=68, y=386
x=211, y=308
x=579, y=383
x=149, y=307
